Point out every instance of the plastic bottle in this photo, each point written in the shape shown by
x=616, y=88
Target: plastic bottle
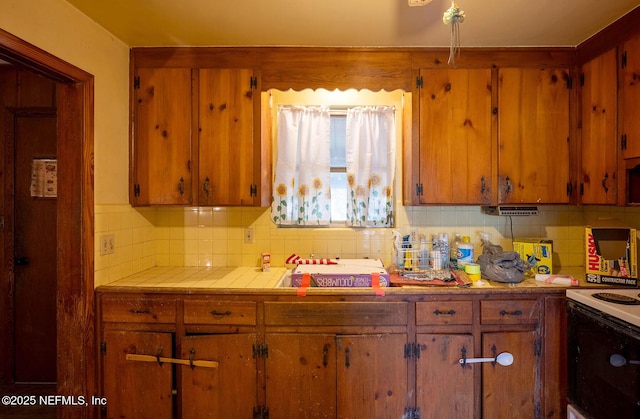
x=465, y=251
x=444, y=249
x=453, y=259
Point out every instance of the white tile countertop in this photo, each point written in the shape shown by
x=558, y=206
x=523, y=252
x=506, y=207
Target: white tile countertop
x=202, y=277
x=250, y=278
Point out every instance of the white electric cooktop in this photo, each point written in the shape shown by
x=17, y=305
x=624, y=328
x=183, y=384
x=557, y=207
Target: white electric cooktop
x=629, y=312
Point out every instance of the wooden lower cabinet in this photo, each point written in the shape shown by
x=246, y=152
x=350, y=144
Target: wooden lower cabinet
x=336, y=376
x=444, y=387
x=137, y=389
x=228, y=391
x=510, y=391
x=333, y=357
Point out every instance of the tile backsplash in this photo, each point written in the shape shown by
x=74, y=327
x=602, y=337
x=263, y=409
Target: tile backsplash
x=148, y=237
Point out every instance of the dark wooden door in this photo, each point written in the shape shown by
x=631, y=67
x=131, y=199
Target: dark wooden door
x=34, y=251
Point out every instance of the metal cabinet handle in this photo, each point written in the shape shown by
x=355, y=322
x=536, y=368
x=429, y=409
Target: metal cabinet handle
x=604, y=182
x=483, y=187
x=220, y=313
x=325, y=355
x=444, y=312
x=511, y=313
x=347, y=361
x=181, y=186
x=205, y=186
x=509, y=187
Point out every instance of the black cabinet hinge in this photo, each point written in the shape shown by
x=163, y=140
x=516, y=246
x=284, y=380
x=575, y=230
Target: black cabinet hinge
x=103, y=411
x=419, y=189
x=569, y=188
x=260, y=350
x=412, y=350
x=623, y=142
x=253, y=83
x=419, y=82
x=581, y=188
x=136, y=82
x=411, y=413
x=537, y=347
x=581, y=79
x=623, y=60
x=253, y=190
x=136, y=189
x=261, y=412
x=569, y=83
x=103, y=347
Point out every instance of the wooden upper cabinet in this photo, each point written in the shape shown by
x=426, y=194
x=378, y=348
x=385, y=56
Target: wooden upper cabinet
x=161, y=152
x=533, y=135
x=630, y=97
x=455, y=148
x=599, y=122
x=228, y=148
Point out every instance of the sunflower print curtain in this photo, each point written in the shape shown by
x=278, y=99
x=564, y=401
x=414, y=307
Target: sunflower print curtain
x=301, y=190
x=370, y=147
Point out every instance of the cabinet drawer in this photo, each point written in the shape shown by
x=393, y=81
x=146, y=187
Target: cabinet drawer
x=509, y=312
x=444, y=312
x=336, y=314
x=219, y=312
x=138, y=310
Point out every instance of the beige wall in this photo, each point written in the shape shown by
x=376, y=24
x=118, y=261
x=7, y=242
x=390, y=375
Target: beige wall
x=58, y=28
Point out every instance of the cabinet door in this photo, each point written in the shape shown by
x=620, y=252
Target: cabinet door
x=455, y=136
x=227, y=152
x=136, y=389
x=372, y=376
x=228, y=391
x=630, y=92
x=444, y=387
x=511, y=391
x=599, y=125
x=161, y=151
x=301, y=375
x=533, y=135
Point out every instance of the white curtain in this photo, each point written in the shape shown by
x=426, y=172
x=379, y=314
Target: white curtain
x=370, y=147
x=301, y=189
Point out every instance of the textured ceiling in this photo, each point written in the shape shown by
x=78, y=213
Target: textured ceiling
x=365, y=23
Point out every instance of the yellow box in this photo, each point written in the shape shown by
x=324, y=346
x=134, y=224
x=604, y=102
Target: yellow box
x=611, y=254
x=538, y=252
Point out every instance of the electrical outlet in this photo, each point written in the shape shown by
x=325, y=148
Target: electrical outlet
x=107, y=244
x=248, y=235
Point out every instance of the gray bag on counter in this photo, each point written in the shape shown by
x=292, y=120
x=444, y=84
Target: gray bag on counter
x=501, y=266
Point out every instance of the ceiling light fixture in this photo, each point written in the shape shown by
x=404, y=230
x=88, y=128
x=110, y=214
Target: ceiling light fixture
x=454, y=16
x=418, y=2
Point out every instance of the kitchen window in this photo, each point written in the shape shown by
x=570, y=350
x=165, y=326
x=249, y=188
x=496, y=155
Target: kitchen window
x=335, y=166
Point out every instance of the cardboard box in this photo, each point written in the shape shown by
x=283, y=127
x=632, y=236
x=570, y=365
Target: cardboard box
x=347, y=273
x=611, y=254
x=538, y=252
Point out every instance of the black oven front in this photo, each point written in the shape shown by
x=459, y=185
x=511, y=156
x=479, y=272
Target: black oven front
x=603, y=364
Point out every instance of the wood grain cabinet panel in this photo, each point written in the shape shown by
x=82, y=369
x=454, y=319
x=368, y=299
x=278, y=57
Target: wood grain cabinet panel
x=630, y=96
x=599, y=153
x=336, y=313
x=161, y=147
x=509, y=311
x=533, y=135
x=220, y=312
x=455, y=153
x=137, y=389
x=444, y=312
